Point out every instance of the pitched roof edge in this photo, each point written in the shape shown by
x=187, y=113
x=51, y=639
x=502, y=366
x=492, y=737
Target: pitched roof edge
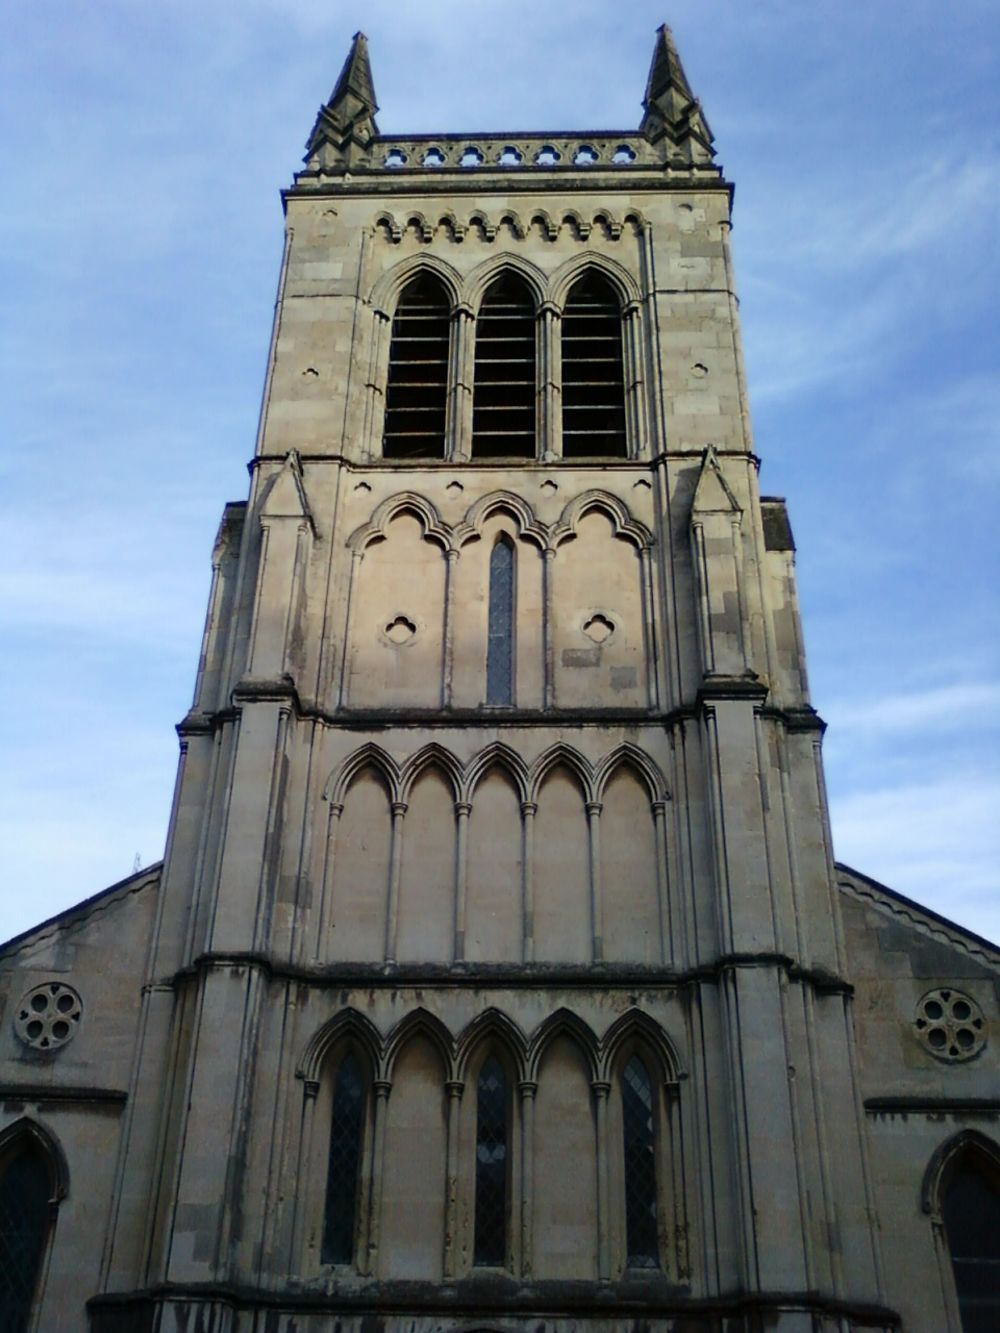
x=899, y=903
x=134, y=883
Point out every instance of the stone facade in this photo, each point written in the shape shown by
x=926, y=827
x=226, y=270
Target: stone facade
x=498, y=972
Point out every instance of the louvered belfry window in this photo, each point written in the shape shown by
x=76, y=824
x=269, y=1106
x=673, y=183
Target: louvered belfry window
x=491, y=1166
x=346, y=1128
x=640, y=1166
x=24, y=1225
x=593, y=380
x=417, y=389
x=503, y=404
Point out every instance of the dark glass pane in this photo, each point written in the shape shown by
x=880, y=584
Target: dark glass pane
x=500, y=644
x=24, y=1223
x=346, y=1123
x=593, y=379
x=417, y=388
x=491, y=1165
x=503, y=415
x=972, y=1221
x=640, y=1167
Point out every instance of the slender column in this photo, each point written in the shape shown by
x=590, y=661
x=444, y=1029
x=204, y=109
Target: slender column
x=451, y=1246
x=378, y=360
x=548, y=416
x=392, y=912
x=381, y=1088
x=659, y=809
x=601, y=1091
x=596, y=909
x=635, y=434
x=462, y=811
x=356, y=557
x=327, y=919
x=654, y=685
x=548, y=629
x=461, y=375
x=308, y=1202
x=528, y=811
x=448, y=662
x=527, y=1091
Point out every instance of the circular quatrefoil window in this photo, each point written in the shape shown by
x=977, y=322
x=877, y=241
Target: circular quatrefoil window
x=951, y=1025
x=48, y=1016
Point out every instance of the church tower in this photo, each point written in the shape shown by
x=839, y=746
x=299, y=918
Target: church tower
x=497, y=964
x=496, y=974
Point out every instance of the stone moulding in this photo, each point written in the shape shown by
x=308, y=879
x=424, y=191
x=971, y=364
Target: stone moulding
x=481, y=226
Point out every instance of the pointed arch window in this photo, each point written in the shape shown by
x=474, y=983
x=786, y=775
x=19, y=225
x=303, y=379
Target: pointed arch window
x=503, y=406
x=492, y=1143
x=642, y=1245
x=344, y=1167
x=417, y=388
x=25, y=1218
x=593, y=379
x=500, y=633
x=971, y=1213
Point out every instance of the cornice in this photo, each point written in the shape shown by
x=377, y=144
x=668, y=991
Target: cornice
x=509, y=976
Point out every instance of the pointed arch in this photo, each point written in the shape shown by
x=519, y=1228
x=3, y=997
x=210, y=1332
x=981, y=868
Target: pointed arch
x=563, y=1023
x=27, y=1132
x=384, y=295
x=420, y=1022
x=624, y=524
x=616, y=274
x=431, y=755
x=434, y=528
x=491, y=1026
x=561, y=754
x=628, y=755
x=348, y=1023
x=634, y=1027
x=529, y=527
x=966, y=1143
x=368, y=755
x=486, y=273
x=496, y=755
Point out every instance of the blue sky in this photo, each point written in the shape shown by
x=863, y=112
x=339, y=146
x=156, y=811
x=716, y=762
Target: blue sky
x=140, y=236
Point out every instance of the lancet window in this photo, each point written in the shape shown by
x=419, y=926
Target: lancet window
x=503, y=414
x=25, y=1216
x=971, y=1212
x=344, y=1165
x=642, y=1246
x=503, y=381
x=492, y=1144
x=500, y=632
x=417, y=386
x=593, y=379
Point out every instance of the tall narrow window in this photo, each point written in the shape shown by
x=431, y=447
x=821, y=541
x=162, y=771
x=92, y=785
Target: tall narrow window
x=417, y=389
x=24, y=1223
x=491, y=1165
x=503, y=405
x=346, y=1128
x=593, y=379
x=640, y=1167
x=500, y=644
x=971, y=1210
